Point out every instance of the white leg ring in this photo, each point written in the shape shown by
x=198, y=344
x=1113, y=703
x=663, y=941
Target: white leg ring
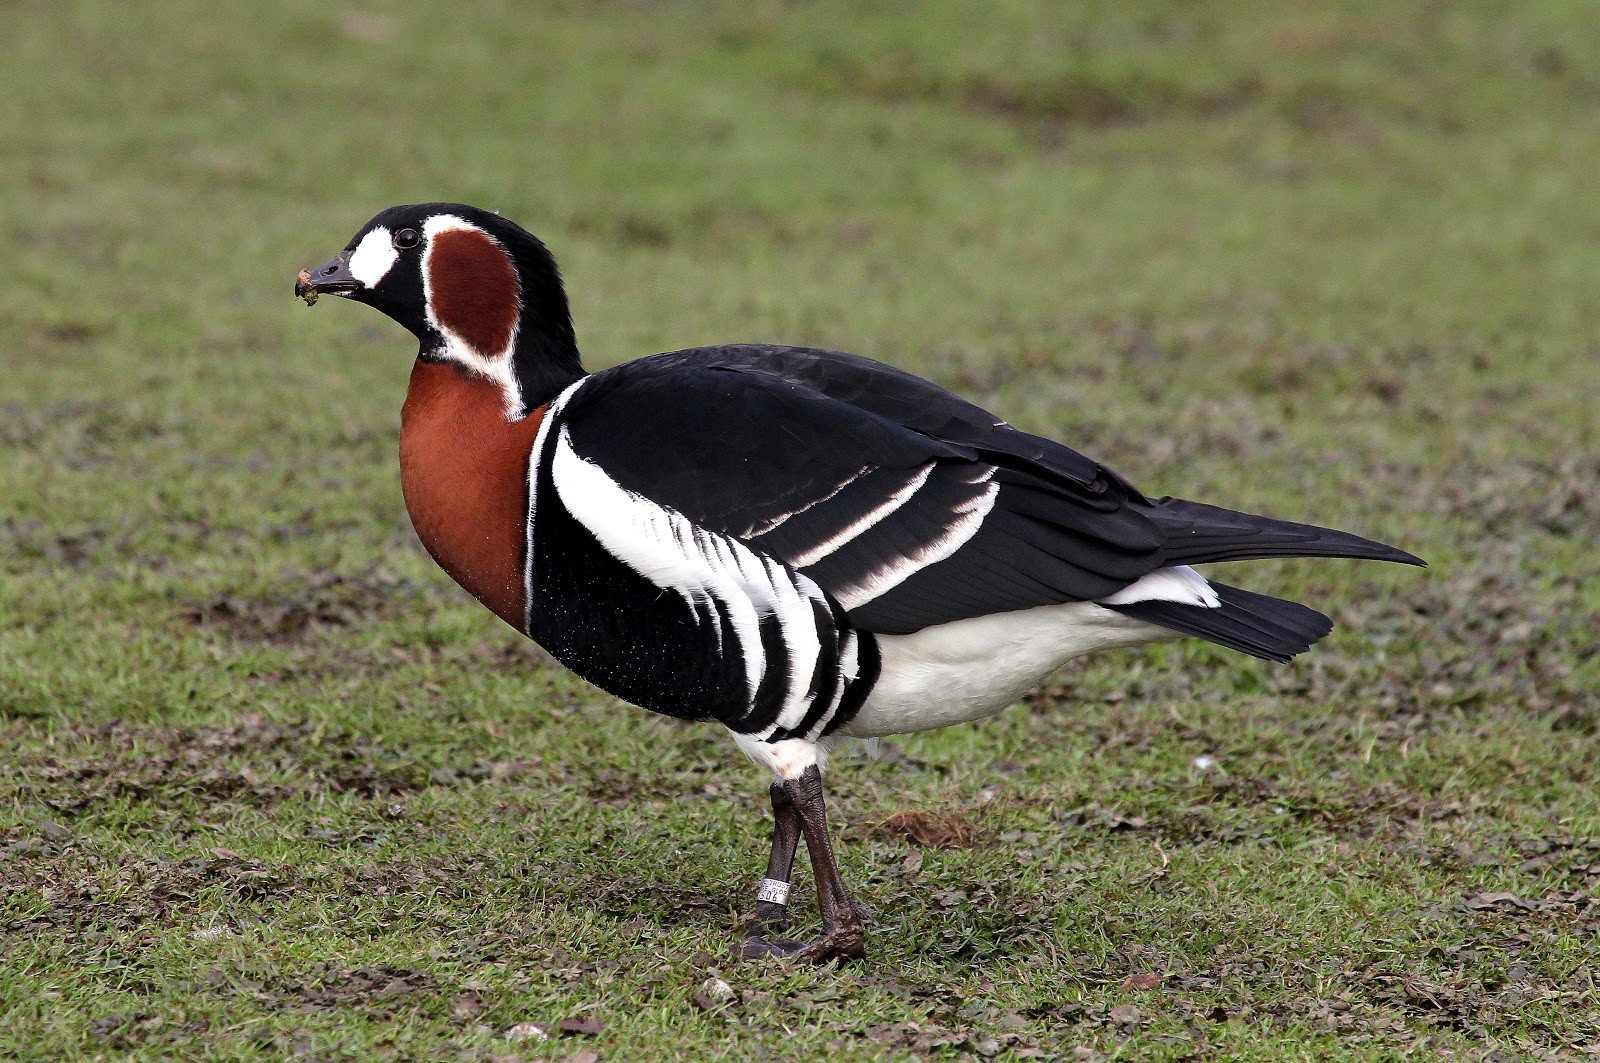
x=772, y=891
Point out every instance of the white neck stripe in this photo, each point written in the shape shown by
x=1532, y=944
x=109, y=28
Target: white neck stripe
x=494, y=366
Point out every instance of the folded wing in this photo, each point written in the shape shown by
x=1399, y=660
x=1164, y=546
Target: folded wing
x=834, y=468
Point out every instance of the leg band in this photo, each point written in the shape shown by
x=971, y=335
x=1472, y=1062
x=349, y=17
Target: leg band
x=772, y=891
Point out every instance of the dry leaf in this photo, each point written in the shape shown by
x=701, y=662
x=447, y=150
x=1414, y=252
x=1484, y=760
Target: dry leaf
x=583, y=1026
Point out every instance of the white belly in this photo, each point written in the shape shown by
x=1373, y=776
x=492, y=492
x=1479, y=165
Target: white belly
x=970, y=669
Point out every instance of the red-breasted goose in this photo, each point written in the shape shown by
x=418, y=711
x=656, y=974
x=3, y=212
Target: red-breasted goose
x=802, y=545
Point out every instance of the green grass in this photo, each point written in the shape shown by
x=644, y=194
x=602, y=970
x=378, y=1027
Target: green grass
x=271, y=787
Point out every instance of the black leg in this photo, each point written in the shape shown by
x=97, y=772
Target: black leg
x=843, y=936
x=771, y=911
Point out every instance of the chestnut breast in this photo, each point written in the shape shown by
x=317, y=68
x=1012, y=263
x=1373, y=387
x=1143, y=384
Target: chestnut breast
x=464, y=473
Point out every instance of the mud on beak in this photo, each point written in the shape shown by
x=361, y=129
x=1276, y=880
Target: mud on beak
x=333, y=277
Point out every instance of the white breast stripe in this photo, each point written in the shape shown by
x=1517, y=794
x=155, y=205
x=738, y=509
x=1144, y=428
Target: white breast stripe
x=660, y=545
x=849, y=669
x=1177, y=584
x=803, y=641
x=849, y=656
x=969, y=518
x=551, y=413
x=713, y=571
x=798, y=621
x=878, y=513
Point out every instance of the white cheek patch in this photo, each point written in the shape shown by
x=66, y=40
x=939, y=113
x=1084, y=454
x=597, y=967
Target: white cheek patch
x=373, y=256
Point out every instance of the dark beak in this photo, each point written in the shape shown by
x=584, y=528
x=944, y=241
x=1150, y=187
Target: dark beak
x=333, y=277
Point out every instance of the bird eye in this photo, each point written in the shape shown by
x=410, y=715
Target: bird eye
x=406, y=238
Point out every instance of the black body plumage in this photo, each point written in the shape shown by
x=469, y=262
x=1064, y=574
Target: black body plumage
x=673, y=653
x=907, y=506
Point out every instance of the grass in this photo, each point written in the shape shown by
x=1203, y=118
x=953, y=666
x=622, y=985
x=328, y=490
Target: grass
x=271, y=787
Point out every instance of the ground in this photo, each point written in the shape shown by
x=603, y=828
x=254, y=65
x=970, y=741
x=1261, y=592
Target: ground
x=271, y=787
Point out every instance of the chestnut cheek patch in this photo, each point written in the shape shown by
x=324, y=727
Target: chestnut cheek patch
x=473, y=289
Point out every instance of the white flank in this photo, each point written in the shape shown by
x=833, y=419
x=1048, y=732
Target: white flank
x=495, y=366
x=969, y=669
x=709, y=570
x=969, y=518
x=1180, y=584
x=373, y=256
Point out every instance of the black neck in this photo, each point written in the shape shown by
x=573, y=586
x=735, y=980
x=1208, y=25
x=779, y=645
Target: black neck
x=544, y=365
x=546, y=358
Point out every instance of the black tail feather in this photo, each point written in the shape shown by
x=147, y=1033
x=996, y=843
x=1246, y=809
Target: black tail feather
x=1198, y=533
x=1262, y=626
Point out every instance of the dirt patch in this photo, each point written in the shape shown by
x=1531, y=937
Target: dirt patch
x=254, y=760
x=304, y=604
x=1068, y=100
x=378, y=986
x=690, y=226
x=1367, y=812
x=72, y=546
x=1490, y=646
x=80, y=435
x=654, y=902
x=608, y=786
x=87, y=894
x=1076, y=103
x=1560, y=495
